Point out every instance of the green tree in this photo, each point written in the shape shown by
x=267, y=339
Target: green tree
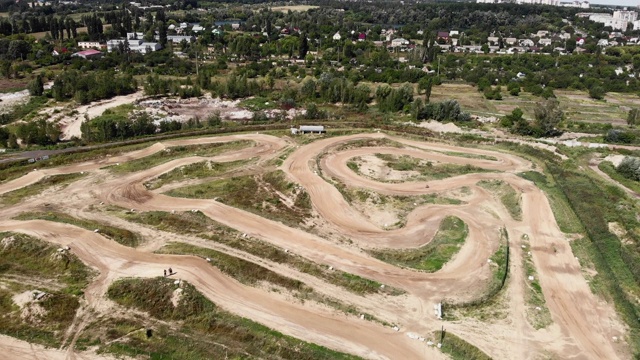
x=597, y=92
x=36, y=86
x=633, y=117
x=548, y=116
x=426, y=84
x=514, y=88
x=303, y=48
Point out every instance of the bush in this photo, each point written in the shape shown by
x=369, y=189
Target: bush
x=597, y=92
x=619, y=136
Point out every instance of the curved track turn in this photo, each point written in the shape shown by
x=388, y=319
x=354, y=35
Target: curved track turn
x=581, y=323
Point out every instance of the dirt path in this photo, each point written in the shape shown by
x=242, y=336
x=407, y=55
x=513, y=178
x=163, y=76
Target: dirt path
x=582, y=324
x=70, y=125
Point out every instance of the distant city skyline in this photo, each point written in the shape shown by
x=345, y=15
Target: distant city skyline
x=629, y=3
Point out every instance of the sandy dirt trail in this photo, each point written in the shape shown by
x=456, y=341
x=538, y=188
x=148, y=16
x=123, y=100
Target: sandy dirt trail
x=71, y=124
x=580, y=321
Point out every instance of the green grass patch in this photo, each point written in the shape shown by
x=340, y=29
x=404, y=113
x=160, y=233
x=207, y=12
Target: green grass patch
x=596, y=204
x=204, y=331
x=401, y=205
x=190, y=223
x=457, y=348
x=507, y=195
x=242, y=270
x=431, y=257
x=121, y=110
x=269, y=195
x=177, y=152
x=426, y=169
x=538, y=314
x=27, y=264
x=470, y=156
x=16, y=196
x=608, y=168
x=197, y=170
x=122, y=236
x=27, y=256
x=258, y=103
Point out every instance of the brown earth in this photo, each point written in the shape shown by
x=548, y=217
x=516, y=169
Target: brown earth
x=582, y=328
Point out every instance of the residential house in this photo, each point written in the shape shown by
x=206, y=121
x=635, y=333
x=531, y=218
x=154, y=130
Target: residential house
x=493, y=40
x=510, y=41
x=443, y=36
x=454, y=33
x=135, y=35
x=526, y=42
x=197, y=28
x=139, y=46
x=542, y=33
x=337, y=36
x=580, y=41
x=217, y=32
x=89, y=44
x=399, y=42
x=362, y=37
x=544, y=42
x=235, y=26
x=388, y=34
x=89, y=54
x=603, y=42
x=176, y=39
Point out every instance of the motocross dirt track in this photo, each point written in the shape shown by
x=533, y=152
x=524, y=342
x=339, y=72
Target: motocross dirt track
x=582, y=328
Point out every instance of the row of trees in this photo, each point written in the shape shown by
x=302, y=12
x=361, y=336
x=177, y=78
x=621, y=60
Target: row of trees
x=87, y=87
x=155, y=86
x=118, y=127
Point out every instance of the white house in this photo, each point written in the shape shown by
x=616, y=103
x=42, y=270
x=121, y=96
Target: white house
x=399, y=42
x=197, y=28
x=603, y=42
x=544, y=42
x=542, y=33
x=139, y=46
x=337, y=36
x=135, y=35
x=510, y=41
x=526, y=42
x=89, y=44
x=176, y=39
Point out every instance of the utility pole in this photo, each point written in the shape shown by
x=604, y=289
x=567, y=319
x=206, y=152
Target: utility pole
x=197, y=72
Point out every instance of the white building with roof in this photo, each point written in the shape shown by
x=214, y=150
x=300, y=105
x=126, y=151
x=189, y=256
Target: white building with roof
x=139, y=46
